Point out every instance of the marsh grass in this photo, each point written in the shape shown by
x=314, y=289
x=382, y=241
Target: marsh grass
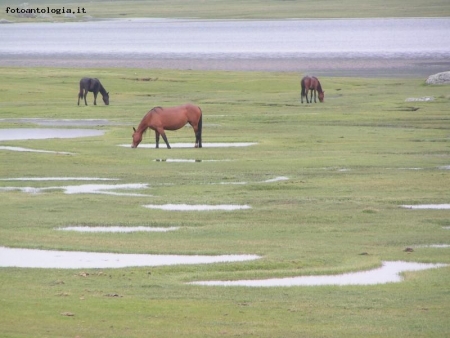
x=351, y=162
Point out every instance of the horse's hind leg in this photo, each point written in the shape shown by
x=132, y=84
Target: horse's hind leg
x=156, y=139
x=165, y=140
x=163, y=134
x=85, y=94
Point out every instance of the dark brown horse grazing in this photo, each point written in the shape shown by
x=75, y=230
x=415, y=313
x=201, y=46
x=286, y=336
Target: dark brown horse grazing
x=311, y=83
x=88, y=84
x=160, y=119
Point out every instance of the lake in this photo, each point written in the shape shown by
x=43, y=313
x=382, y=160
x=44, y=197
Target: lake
x=144, y=42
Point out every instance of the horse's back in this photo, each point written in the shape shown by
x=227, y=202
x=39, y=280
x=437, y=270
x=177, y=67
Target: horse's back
x=173, y=118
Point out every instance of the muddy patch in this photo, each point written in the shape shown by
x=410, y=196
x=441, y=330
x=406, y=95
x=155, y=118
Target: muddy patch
x=32, y=258
x=389, y=272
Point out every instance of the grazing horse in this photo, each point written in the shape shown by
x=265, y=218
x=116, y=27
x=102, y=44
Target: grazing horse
x=311, y=83
x=88, y=84
x=160, y=119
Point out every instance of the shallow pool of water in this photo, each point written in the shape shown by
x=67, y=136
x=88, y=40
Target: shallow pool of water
x=15, y=134
x=105, y=189
x=32, y=258
x=117, y=229
x=428, y=206
x=21, y=149
x=191, y=145
x=389, y=272
x=198, y=207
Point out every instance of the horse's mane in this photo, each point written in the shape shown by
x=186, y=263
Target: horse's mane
x=142, y=127
x=319, y=86
x=155, y=108
x=102, y=89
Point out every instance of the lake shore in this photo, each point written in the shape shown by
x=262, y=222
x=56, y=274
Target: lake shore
x=336, y=67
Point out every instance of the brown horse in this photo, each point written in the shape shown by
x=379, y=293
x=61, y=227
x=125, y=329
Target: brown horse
x=88, y=84
x=311, y=83
x=160, y=119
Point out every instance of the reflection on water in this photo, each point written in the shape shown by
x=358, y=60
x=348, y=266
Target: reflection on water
x=31, y=258
x=388, y=273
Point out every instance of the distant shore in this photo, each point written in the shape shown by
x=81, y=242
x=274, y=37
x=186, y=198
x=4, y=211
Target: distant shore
x=363, y=67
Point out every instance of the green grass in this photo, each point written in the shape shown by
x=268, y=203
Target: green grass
x=350, y=165
x=236, y=9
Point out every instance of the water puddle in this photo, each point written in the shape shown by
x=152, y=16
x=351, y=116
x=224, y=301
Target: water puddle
x=105, y=189
x=16, y=134
x=437, y=246
x=191, y=145
x=181, y=160
x=117, y=229
x=389, y=272
x=271, y=180
x=58, y=179
x=31, y=258
x=62, y=122
x=199, y=207
x=276, y=179
x=20, y=149
x=428, y=206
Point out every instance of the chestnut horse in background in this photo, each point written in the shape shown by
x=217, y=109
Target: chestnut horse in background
x=311, y=83
x=160, y=119
x=88, y=84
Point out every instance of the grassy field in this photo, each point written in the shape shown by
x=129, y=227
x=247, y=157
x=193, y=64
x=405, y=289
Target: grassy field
x=350, y=162
x=236, y=9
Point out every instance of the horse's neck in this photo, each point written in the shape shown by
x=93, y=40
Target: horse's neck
x=144, y=124
x=319, y=87
x=101, y=89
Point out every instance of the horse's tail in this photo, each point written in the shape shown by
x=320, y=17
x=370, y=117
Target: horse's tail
x=200, y=122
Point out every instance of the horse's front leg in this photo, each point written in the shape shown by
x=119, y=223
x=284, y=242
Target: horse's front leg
x=315, y=92
x=84, y=96
x=95, y=98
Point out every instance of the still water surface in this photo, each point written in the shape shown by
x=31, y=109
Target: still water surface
x=176, y=38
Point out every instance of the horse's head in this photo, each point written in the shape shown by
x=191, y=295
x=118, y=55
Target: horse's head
x=106, y=98
x=321, y=96
x=137, y=138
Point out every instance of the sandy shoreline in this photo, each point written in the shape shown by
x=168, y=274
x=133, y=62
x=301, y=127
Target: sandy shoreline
x=361, y=67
